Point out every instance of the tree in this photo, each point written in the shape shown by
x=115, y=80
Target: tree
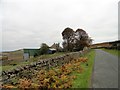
x=68, y=37
x=75, y=41
x=64, y=45
x=81, y=39
x=89, y=41
x=44, y=49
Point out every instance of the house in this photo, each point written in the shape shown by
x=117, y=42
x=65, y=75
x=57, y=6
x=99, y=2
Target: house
x=56, y=46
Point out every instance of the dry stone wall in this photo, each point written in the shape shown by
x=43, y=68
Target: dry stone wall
x=40, y=64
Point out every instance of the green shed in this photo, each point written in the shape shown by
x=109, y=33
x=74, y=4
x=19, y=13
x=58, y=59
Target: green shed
x=29, y=53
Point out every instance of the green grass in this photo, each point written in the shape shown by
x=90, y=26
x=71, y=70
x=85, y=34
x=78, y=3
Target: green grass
x=49, y=55
x=23, y=63
x=84, y=79
x=10, y=67
x=112, y=51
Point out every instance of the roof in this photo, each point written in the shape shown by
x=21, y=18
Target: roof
x=56, y=46
x=32, y=52
x=53, y=49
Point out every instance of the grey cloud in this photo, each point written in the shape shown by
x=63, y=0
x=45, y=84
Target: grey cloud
x=28, y=23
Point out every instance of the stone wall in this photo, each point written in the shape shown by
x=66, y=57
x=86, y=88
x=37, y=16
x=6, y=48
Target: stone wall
x=40, y=64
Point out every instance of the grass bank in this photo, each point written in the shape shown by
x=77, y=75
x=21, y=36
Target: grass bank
x=113, y=51
x=84, y=79
x=22, y=62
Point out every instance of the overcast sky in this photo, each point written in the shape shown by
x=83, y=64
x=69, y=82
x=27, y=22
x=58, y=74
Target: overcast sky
x=28, y=23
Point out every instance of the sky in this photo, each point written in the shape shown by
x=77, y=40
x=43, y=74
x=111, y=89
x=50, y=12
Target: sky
x=28, y=23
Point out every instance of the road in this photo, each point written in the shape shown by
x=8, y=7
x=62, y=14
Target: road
x=105, y=73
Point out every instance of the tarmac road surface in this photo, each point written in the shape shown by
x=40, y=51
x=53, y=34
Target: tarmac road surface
x=105, y=73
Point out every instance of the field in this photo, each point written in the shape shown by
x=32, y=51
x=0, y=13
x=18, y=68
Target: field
x=16, y=63
x=75, y=74
x=113, y=51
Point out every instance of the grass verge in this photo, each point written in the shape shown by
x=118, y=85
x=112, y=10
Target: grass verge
x=113, y=51
x=84, y=79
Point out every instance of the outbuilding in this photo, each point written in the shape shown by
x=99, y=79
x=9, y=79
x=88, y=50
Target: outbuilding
x=23, y=54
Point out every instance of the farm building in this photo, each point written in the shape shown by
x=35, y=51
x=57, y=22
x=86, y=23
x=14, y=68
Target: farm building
x=25, y=54
x=22, y=54
x=30, y=53
x=51, y=51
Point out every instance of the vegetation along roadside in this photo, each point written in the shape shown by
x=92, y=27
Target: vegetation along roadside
x=113, y=51
x=75, y=74
x=84, y=79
